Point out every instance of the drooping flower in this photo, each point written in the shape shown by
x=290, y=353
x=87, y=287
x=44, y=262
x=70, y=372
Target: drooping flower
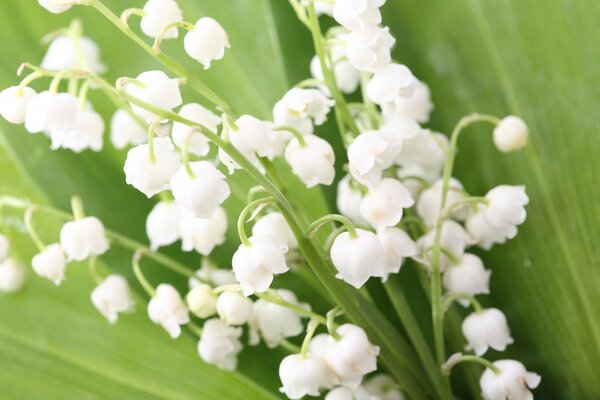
x=13, y=105
x=220, y=344
x=233, y=308
x=345, y=393
x=212, y=274
x=112, y=297
x=467, y=276
x=383, y=205
x=50, y=263
x=87, y=133
x=389, y=84
x=370, y=50
x=203, y=234
x=156, y=89
x=163, y=224
x=300, y=376
x=486, y=329
x=454, y=240
x=283, y=117
x=511, y=134
x=274, y=226
x=206, y=42
x=202, y=301
x=428, y=205
x=124, y=130
x=312, y=163
x=308, y=103
x=167, y=309
x=318, y=348
x=197, y=143
x=418, y=106
x=358, y=259
x=12, y=276
x=158, y=14
x=57, y=6
x=51, y=112
x=66, y=52
x=397, y=245
x=254, y=138
x=368, y=156
x=512, y=383
x=357, y=14
x=83, y=238
x=348, y=200
x=347, y=77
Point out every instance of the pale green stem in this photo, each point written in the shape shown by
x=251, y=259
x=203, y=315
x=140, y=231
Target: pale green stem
x=185, y=156
x=473, y=200
x=196, y=329
x=319, y=223
x=27, y=80
x=177, y=24
x=449, y=299
x=125, y=15
x=290, y=347
x=293, y=131
x=272, y=297
x=28, y=220
x=331, y=325
x=137, y=270
x=311, y=328
x=241, y=224
x=77, y=208
x=151, y=134
x=93, y=268
x=83, y=94
x=461, y=358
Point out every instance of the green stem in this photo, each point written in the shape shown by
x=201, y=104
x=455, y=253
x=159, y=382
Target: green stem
x=137, y=270
x=28, y=220
x=77, y=208
x=83, y=94
x=319, y=223
x=241, y=223
x=311, y=328
x=472, y=200
x=93, y=268
x=185, y=156
x=290, y=347
x=460, y=358
x=272, y=297
x=331, y=325
x=451, y=298
x=151, y=134
x=177, y=24
x=293, y=131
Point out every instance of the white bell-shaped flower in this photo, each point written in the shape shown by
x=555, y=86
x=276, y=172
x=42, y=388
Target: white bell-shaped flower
x=124, y=130
x=512, y=383
x=397, y=130
x=274, y=226
x=347, y=77
x=469, y=276
x=203, y=234
x=156, y=89
x=390, y=84
x=274, y=323
x=13, y=105
x=351, y=356
x=300, y=376
x=254, y=265
x=4, y=247
x=157, y=15
x=486, y=329
x=167, y=309
x=50, y=112
x=497, y=221
x=358, y=259
x=368, y=156
x=308, y=103
x=371, y=49
x=357, y=14
x=317, y=349
x=383, y=387
x=418, y=106
x=384, y=204
x=147, y=176
x=87, y=133
x=163, y=224
x=50, y=263
x=206, y=42
x=197, y=143
x=511, y=134
x=65, y=52
x=254, y=138
x=233, y=308
x=83, y=238
x=202, y=301
x=12, y=276
x=208, y=272
x=348, y=200
x=397, y=245
x=220, y=344
x=344, y=393
x=428, y=204
x=426, y=150
x=112, y=297
x=201, y=194
x=312, y=163
x=57, y=6
x=454, y=240
x=282, y=116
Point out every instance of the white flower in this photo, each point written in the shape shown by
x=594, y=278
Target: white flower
x=50, y=263
x=348, y=200
x=486, y=329
x=344, y=393
x=397, y=130
x=254, y=138
x=4, y=247
x=426, y=150
x=352, y=356
x=497, y=220
x=220, y=344
x=87, y=133
x=418, y=106
x=322, y=8
x=308, y=103
x=233, y=308
x=162, y=224
x=112, y=297
x=300, y=376
x=197, y=143
x=512, y=383
x=202, y=301
x=206, y=42
x=454, y=240
x=274, y=323
x=368, y=156
x=157, y=15
x=383, y=205
x=511, y=134
x=167, y=309
x=13, y=105
x=390, y=84
x=357, y=14
x=428, y=205
x=370, y=50
x=347, y=77
x=147, y=176
x=254, y=265
x=156, y=89
x=275, y=227
x=57, y=6
x=384, y=387
x=283, y=117
x=468, y=276
x=358, y=259
x=125, y=130
x=312, y=163
x=209, y=273
x=201, y=194
x=51, y=111
x=66, y=52
x=83, y=238
x=397, y=245
x=12, y=276
x=203, y=234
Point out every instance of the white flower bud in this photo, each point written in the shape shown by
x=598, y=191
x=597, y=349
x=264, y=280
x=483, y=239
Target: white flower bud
x=4, y=247
x=254, y=138
x=197, y=143
x=50, y=263
x=206, y=42
x=112, y=297
x=370, y=50
x=65, y=52
x=300, y=376
x=87, y=133
x=486, y=329
x=428, y=205
x=308, y=103
x=83, y=238
x=384, y=387
x=233, y=308
x=397, y=245
x=157, y=15
x=313, y=163
x=147, y=176
x=156, y=89
x=220, y=344
x=358, y=259
x=56, y=6
x=454, y=240
x=275, y=227
x=51, y=111
x=418, y=106
x=347, y=77
x=352, y=356
x=348, y=200
x=383, y=205
x=255, y=265
x=368, y=156
x=204, y=234
x=13, y=106
x=162, y=224
x=274, y=323
x=125, y=130
x=12, y=276
x=468, y=276
x=390, y=84
x=168, y=310
x=357, y=14
x=512, y=383
x=202, y=301
x=511, y=134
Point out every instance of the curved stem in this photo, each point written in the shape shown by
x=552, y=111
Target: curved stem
x=92, y=266
x=290, y=347
x=472, y=200
x=458, y=358
x=293, y=131
x=185, y=157
x=137, y=270
x=77, y=208
x=27, y=80
x=83, y=94
x=125, y=15
x=177, y=24
x=272, y=297
x=319, y=223
x=451, y=298
x=244, y=215
x=28, y=220
x=311, y=328
x=331, y=325
x=151, y=134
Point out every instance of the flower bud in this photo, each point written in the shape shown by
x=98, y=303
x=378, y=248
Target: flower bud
x=83, y=238
x=220, y=344
x=202, y=301
x=13, y=106
x=274, y=323
x=197, y=143
x=203, y=234
x=383, y=205
x=512, y=383
x=167, y=309
x=112, y=297
x=468, y=276
x=275, y=227
x=313, y=163
x=300, y=376
x=485, y=329
x=511, y=134
x=157, y=15
x=156, y=89
x=358, y=259
x=233, y=308
x=206, y=42
x=50, y=263
x=125, y=130
x=12, y=276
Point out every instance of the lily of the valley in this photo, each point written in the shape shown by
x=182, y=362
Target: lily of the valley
x=206, y=42
x=220, y=344
x=13, y=104
x=357, y=259
x=190, y=136
x=163, y=224
x=314, y=162
x=233, y=308
x=50, y=263
x=468, y=276
x=485, y=329
x=158, y=14
x=273, y=323
x=203, y=234
x=384, y=204
x=300, y=376
x=357, y=14
x=156, y=89
x=12, y=276
x=113, y=296
x=511, y=134
x=83, y=238
x=167, y=309
x=513, y=382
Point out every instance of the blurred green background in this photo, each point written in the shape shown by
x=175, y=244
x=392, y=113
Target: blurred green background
x=533, y=58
